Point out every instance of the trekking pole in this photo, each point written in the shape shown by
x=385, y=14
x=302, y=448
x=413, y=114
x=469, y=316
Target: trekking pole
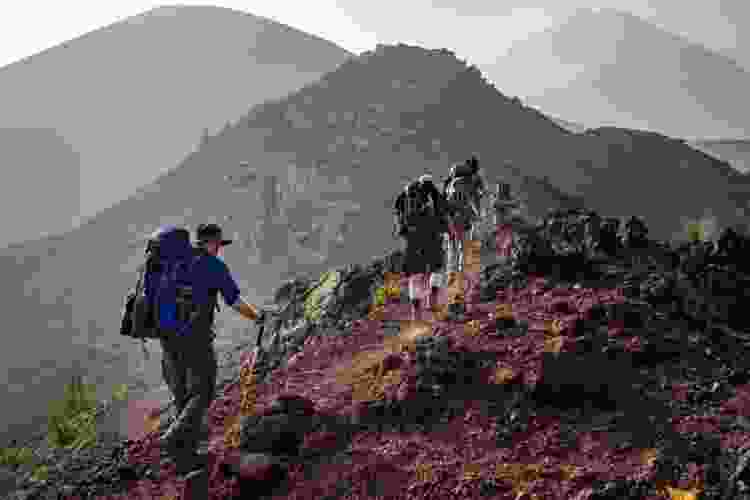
x=247, y=386
x=259, y=337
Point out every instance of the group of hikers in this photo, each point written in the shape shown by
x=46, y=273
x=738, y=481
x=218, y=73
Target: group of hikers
x=586, y=232
x=434, y=224
x=176, y=295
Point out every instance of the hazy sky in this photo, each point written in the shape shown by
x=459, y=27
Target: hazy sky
x=477, y=31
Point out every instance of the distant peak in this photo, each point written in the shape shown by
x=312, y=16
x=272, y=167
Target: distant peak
x=604, y=14
x=174, y=8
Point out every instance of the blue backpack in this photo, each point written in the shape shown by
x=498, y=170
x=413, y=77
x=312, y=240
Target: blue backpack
x=162, y=304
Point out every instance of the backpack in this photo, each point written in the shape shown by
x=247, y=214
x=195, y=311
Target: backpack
x=635, y=231
x=608, y=239
x=162, y=302
x=463, y=188
x=417, y=205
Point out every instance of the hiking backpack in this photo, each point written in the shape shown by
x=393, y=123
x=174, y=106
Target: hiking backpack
x=463, y=188
x=609, y=242
x=162, y=302
x=417, y=204
x=636, y=231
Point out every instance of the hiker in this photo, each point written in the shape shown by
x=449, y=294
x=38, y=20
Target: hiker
x=420, y=220
x=609, y=242
x=593, y=227
x=463, y=189
x=730, y=247
x=636, y=233
x=189, y=360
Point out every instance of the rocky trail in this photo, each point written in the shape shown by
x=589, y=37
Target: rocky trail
x=605, y=385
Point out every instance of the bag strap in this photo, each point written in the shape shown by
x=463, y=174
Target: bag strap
x=138, y=290
x=142, y=270
x=141, y=275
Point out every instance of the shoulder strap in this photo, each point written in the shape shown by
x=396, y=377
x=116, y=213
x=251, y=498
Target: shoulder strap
x=141, y=274
x=142, y=269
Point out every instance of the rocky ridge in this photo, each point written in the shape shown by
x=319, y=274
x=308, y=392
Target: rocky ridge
x=483, y=403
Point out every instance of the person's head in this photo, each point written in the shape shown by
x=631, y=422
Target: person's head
x=210, y=238
x=424, y=179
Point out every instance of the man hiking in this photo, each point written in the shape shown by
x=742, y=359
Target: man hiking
x=463, y=189
x=189, y=360
x=420, y=219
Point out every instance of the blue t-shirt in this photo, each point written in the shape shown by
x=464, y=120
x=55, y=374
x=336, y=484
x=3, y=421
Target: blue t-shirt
x=211, y=275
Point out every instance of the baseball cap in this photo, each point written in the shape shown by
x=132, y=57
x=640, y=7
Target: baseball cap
x=210, y=232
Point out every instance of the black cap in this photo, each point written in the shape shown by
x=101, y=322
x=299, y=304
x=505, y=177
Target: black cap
x=210, y=232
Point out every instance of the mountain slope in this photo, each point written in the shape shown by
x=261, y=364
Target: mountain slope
x=466, y=405
x=341, y=149
x=612, y=68
x=576, y=128
x=340, y=158
x=40, y=189
x=734, y=152
x=133, y=98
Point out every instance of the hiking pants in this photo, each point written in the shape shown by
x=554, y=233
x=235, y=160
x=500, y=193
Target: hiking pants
x=457, y=236
x=190, y=369
x=424, y=252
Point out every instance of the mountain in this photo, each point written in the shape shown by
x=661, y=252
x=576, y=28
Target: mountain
x=133, y=98
x=611, y=68
x=462, y=403
x=576, y=128
x=736, y=152
x=307, y=182
x=40, y=191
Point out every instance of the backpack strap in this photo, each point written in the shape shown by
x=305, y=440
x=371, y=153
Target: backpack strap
x=139, y=284
x=141, y=274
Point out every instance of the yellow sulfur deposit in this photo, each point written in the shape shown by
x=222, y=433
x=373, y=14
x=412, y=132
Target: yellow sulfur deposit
x=472, y=249
x=503, y=375
x=504, y=311
x=392, y=285
x=247, y=404
x=472, y=329
x=424, y=472
x=471, y=472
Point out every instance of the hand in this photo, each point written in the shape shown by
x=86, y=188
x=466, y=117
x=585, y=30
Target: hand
x=266, y=311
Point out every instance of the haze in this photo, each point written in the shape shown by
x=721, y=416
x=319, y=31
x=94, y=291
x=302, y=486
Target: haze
x=357, y=26
x=480, y=32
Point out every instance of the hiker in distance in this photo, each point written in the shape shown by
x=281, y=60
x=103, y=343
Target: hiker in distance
x=420, y=220
x=189, y=359
x=463, y=189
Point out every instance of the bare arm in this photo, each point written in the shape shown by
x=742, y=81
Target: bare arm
x=246, y=309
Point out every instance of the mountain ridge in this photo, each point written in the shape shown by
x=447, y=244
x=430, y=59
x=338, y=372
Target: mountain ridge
x=352, y=137
x=583, y=83
x=155, y=10
x=153, y=123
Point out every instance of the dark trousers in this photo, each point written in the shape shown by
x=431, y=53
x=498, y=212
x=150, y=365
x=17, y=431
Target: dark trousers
x=424, y=252
x=190, y=369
